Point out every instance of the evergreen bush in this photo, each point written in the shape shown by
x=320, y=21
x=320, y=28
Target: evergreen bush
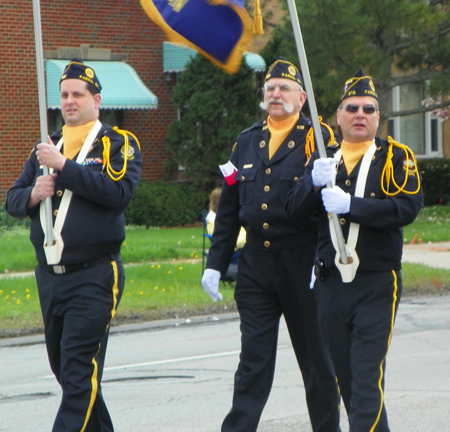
x=158, y=204
x=435, y=180
x=214, y=108
x=7, y=221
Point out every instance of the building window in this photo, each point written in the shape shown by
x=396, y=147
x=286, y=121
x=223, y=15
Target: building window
x=422, y=132
x=112, y=117
x=55, y=120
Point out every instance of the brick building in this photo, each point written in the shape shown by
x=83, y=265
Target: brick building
x=106, y=30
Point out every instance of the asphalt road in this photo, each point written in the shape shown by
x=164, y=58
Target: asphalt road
x=177, y=376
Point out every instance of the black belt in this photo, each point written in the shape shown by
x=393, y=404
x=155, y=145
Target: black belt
x=65, y=269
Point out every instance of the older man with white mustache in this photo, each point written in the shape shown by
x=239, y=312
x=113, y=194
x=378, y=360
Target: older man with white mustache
x=270, y=91
x=276, y=261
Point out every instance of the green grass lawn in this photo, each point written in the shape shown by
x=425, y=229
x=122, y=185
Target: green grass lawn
x=143, y=245
x=140, y=245
x=152, y=291
x=431, y=225
x=163, y=273
x=155, y=244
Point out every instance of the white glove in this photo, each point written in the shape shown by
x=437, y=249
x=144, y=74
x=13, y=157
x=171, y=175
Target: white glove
x=335, y=200
x=210, y=282
x=324, y=171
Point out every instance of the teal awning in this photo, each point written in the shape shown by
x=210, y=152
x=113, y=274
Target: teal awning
x=121, y=86
x=176, y=56
x=255, y=61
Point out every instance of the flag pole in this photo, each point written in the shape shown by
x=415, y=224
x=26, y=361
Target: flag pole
x=314, y=115
x=42, y=109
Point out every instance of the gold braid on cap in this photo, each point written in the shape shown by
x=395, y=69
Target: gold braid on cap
x=117, y=175
x=355, y=80
x=388, y=170
x=309, y=142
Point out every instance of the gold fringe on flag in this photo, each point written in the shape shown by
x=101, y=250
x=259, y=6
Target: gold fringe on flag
x=257, y=20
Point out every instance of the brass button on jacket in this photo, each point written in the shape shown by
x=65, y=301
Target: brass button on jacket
x=266, y=188
x=342, y=221
x=267, y=243
x=264, y=206
x=268, y=170
x=265, y=225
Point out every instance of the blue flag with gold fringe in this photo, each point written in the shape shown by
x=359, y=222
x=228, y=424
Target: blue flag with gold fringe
x=221, y=30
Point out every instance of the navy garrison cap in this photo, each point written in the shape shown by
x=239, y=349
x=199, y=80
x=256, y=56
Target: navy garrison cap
x=359, y=85
x=282, y=68
x=78, y=70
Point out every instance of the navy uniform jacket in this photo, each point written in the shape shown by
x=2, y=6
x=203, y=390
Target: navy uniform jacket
x=381, y=217
x=257, y=201
x=94, y=225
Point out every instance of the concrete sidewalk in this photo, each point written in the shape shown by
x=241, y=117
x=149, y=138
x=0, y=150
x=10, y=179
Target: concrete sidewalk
x=430, y=254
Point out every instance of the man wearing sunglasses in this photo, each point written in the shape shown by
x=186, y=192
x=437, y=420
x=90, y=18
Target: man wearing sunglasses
x=276, y=261
x=375, y=192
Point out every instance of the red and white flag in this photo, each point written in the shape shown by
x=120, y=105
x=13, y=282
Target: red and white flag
x=229, y=171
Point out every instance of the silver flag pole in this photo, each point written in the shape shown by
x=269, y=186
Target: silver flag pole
x=42, y=107
x=314, y=115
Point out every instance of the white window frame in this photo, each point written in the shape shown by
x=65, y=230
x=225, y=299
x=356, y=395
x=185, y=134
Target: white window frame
x=429, y=118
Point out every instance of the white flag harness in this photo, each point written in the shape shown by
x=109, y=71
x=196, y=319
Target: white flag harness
x=53, y=248
x=348, y=271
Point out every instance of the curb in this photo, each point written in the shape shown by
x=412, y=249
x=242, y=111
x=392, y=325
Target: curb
x=131, y=328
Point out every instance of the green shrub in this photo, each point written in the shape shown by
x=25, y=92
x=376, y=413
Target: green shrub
x=435, y=180
x=7, y=221
x=157, y=204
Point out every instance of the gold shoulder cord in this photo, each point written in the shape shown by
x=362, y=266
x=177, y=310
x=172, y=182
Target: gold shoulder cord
x=309, y=142
x=388, y=170
x=117, y=175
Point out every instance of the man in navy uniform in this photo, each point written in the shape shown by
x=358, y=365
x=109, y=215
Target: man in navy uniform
x=94, y=171
x=276, y=261
x=377, y=191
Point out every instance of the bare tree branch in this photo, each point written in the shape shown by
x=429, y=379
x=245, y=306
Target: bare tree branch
x=421, y=110
x=405, y=45
x=418, y=77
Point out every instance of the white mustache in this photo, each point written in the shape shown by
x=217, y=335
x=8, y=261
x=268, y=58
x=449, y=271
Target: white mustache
x=289, y=108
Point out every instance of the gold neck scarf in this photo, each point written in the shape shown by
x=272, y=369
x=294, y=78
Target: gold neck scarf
x=353, y=152
x=74, y=137
x=279, y=130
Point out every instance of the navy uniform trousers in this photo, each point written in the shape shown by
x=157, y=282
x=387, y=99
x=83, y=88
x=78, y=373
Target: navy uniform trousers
x=358, y=320
x=270, y=284
x=77, y=309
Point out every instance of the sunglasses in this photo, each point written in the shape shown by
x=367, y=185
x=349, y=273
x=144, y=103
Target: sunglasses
x=368, y=109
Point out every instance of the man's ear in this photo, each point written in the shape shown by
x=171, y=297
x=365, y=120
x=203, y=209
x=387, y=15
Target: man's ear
x=97, y=100
x=303, y=97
